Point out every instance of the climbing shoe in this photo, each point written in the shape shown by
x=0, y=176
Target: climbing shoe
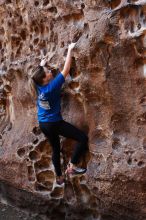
x=75, y=171
x=60, y=181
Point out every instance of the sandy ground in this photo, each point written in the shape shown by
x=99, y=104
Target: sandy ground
x=8, y=212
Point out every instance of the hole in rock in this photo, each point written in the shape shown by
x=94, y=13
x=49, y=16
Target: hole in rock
x=35, y=141
x=129, y=161
x=42, y=44
x=9, y=126
x=82, y=5
x=19, y=72
x=36, y=130
x=77, y=36
x=114, y=3
x=21, y=152
x=116, y=143
x=31, y=176
x=18, y=53
x=65, y=52
x=31, y=47
x=52, y=9
x=2, y=60
x=2, y=31
x=46, y=175
x=20, y=20
x=42, y=164
x=44, y=51
x=57, y=192
x=143, y=101
x=132, y=27
x=140, y=163
x=47, y=29
x=62, y=44
x=30, y=147
x=141, y=120
x=39, y=187
x=73, y=70
x=7, y=88
x=54, y=48
x=15, y=41
x=36, y=3
x=46, y=2
x=34, y=155
x=36, y=41
x=48, y=184
x=82, y=179
x=139, y=26
x=23, y=34
x=129, y=152
x=36, y=29
x=86, y=26
x=2, y=50
x=43, y=147
x=75, y=17
x=74, y=85
x=9, y=23
x=42, y=28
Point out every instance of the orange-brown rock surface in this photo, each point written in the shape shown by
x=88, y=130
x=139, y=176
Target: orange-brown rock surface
x=105, y=97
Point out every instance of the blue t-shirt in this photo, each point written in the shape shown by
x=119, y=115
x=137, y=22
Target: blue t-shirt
x=49, y=100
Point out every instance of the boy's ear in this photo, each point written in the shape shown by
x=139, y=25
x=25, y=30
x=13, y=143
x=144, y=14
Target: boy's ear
x=55, y=71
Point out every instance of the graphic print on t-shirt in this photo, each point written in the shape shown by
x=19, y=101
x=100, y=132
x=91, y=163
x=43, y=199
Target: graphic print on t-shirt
x=49, y=100
x=43, y=102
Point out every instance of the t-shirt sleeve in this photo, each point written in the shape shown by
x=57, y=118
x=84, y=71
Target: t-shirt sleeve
x=57, y=82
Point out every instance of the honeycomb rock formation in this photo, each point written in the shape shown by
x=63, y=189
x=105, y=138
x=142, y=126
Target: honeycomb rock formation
x=105, y=96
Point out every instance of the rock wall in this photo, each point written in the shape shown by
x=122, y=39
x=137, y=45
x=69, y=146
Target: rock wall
x=105, y=96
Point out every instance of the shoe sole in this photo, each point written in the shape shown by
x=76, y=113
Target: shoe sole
x=59, y=185
x=75, y=174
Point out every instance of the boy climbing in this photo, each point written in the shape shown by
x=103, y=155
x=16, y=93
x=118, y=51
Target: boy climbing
x=47, y=91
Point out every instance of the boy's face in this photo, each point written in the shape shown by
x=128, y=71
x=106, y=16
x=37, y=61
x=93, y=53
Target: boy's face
x=49, y=75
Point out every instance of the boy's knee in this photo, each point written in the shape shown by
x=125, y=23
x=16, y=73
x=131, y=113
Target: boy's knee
x=85, y=138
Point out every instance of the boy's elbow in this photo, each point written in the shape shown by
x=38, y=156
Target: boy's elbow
x=64, y=72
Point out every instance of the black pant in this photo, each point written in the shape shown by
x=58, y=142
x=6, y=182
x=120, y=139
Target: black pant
x=52, y=130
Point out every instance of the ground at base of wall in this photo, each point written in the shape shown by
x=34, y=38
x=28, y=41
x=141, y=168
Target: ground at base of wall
x=8, y=212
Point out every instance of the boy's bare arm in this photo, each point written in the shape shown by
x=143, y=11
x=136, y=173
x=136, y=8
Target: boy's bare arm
x=67, y=64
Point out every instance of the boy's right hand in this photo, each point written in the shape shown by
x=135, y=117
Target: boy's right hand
x=43, y=62
x=71, y=46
